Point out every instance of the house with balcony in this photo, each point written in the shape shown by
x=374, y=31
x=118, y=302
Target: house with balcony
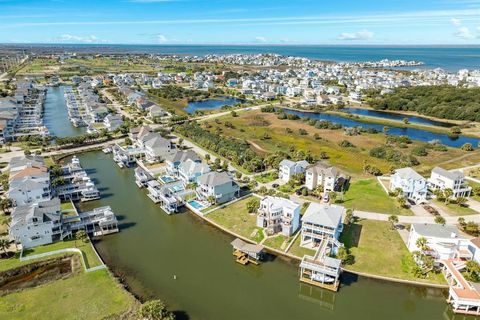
x=321, y=221
x=320, y=174
x=412, y=184
x=174, y=159
x=443, y=241
x=218, y=186
x=189, y=171
x=29, y=185
x=36, y=224
x=112, y=122
x=156, y=148
x=278, y=215
x=442, y=179
x=288, y=168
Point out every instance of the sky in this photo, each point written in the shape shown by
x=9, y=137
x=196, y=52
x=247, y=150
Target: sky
x=338, y=22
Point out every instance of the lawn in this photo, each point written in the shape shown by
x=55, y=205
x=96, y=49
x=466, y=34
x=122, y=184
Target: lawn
x=276, y=242
x=67, y=206
x=298, y=251
x=454, y=209
x=93, y=295
x=236, y=218
x=380, y=250
x=368, y=195
x=267, y=177
x=91, y=259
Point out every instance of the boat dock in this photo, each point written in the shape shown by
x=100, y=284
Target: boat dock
x=246, y=253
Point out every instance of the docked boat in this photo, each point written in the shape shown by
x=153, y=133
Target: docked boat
x=107, y=150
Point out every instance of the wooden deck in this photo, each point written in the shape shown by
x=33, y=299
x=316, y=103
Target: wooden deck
x=329, y=286
x=243, y=258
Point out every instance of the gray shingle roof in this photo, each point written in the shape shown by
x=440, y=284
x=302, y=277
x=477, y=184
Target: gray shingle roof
x=215, y=179
x=408, y=173
x=452, y=175
x=437, y=230
x=323, y=214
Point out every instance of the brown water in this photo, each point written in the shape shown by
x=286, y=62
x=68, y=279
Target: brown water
x=153, y=247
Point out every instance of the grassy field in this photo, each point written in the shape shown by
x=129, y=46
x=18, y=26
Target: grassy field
x=454, y=209
x=236, y=218
x=267, y=177
x=368, y=195
x=93, y=295
x=91, y=259
x=298, y=251
x=252, y=126
x=379, y=250
x=276, y=242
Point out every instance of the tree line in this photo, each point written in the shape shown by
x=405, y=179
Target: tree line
x=447, y=102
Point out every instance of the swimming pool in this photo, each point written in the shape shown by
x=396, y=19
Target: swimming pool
x=167, y=179
x=197, y=205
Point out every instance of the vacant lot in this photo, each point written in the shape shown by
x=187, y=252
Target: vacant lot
x=379, y=250
x=368, y=195
x=236, y=218
x=93, y=295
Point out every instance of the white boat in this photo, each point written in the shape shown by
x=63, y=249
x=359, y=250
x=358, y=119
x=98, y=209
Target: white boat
x=322, y=278
x=107, y=150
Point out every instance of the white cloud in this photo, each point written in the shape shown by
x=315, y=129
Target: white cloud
x=161, y=38
x=363, y=34
x=260, y=39
x=464, y=33
x=456, y=22
x=84, y=39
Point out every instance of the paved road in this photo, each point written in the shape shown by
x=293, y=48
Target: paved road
x=115, y=103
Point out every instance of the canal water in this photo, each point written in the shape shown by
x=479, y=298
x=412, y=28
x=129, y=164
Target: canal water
x=56, y=114
x=396, y=116
x=211, y=104
x=152, y=248
x=412, y=133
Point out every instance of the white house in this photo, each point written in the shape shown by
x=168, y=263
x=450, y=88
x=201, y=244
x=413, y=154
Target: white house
x=29, y=185
x=443, y=241
x=289, y=168
x=278, y=215
x=112, y=122
x=321, y=175
x=190, y=170
x=173, y=160
x=454, y=180
x=157, y=148
x=218, y=185
x=413, y=185
x=321, y=221
x=36, y=224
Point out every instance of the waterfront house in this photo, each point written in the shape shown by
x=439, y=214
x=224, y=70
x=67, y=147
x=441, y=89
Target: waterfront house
x=156, y=148
x=321, y=174
x=36, y=224
x=321, y=221
x=413, y=185
x=17, y=164
x=173, y=160
x=156, y=112
x=454, y=180
x=218, y=186
x=277, y=214
x=189, y=170
x=288, y=168
x=112, y=122
x=443, y=241
x=29, y=185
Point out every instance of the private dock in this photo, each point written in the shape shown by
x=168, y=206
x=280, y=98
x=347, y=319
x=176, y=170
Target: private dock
x=246, y=253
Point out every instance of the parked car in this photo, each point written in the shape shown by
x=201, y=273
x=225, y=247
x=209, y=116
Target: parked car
x=275, y=185
x=326, y=197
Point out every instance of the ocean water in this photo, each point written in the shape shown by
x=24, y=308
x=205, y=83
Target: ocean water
x=451, y=58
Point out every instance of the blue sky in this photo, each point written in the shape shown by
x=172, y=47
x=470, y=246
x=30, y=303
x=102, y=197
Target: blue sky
x=241, y=22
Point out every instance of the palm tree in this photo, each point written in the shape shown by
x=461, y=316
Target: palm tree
x=4, y=244
x=401, y=201
x=82, y=236
x=447, y=193
x=421, y=243
x=461, y=201
x=440, y=220
x=333, y=196
x=393, y=219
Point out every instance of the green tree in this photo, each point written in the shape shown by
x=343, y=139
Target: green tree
x=155, y=310
x=440, y=220
x=421, y=243
x=447, y=193
x=4, y=245
x=393, y=219
x=402, y=202
x=82, y=236
x=461, y=201
x=467, y=147
x=253, y=204
x=333, y=196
